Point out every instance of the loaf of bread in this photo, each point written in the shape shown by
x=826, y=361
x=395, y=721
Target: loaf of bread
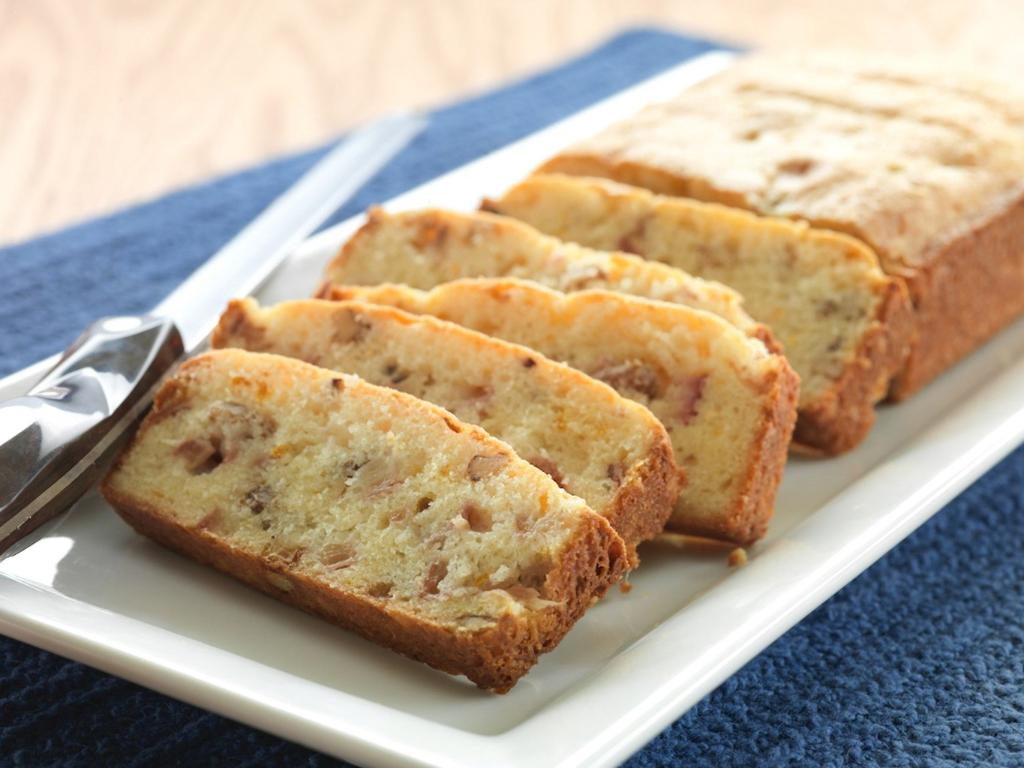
x=728, y=404
x=843, y=324
x=373, y=509
x=923, y=164
x=611, y=452
x=422, y=249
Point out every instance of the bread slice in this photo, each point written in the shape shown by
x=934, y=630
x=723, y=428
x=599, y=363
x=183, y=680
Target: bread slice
x=611, y=452
x=843, y=324
x=921, y=160
x=426, y=248
x=727, y=403
x=373, y=509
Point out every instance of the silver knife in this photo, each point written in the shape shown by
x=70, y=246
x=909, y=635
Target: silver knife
x=57, y=440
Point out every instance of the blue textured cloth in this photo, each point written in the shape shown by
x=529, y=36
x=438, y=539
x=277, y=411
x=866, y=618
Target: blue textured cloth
x=920, y=661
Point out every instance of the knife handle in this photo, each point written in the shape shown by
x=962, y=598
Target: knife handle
x=57, y=440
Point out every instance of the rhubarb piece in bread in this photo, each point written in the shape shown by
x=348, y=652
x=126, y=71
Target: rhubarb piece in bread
x=922, y=162
x=728, y=404
x=373, y=509
x=422, y=249
x=843, y=324
x=611, y=452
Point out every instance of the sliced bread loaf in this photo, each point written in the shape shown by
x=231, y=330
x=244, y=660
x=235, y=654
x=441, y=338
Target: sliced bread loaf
x=611, y=452
x=426, y=248
x=727, y=403
x=921, y=160
x=843, y=324
x=380, y=512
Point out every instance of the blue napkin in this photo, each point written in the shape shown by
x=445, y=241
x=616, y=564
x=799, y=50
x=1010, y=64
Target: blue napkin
x=920, y=661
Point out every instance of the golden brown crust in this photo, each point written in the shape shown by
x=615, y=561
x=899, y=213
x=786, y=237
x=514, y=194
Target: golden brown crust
x=328, y=291
x=764, y=334
x=836, y=426
x=236, y=324
x=638, y=175
x=748, y=520
x=968, y=290
x=646, y=499
x=493, y=658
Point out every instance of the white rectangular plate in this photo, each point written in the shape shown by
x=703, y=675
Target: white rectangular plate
x=88, y=588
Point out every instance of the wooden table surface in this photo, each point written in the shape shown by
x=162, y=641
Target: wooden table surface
x=104, y=102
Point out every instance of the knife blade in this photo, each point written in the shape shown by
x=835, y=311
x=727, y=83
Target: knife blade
x=56, y=441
